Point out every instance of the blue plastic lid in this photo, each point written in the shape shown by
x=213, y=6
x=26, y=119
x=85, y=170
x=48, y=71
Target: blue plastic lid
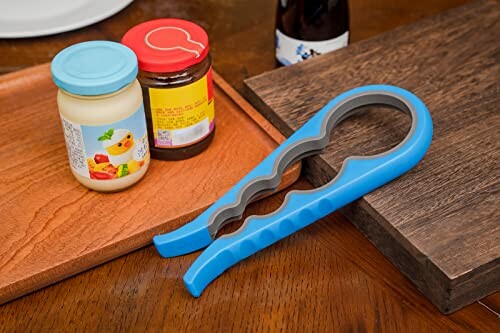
x=94, y=68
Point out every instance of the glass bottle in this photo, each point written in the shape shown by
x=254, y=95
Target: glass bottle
x=307, y=28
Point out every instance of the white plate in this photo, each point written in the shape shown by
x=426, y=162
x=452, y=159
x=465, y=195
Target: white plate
x=30, y=18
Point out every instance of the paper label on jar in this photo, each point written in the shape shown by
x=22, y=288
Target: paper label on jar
x=109, y=151
x=184, y=115
x=291, y=51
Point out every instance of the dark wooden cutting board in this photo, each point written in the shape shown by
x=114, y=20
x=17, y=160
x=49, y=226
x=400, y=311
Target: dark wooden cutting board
x=440, y=223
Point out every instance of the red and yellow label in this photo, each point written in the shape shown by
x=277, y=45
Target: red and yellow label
x=184, y=115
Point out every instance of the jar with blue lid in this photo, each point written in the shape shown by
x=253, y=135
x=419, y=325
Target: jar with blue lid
x=102, y=114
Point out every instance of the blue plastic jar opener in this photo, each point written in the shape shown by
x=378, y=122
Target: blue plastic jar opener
x=358, y=176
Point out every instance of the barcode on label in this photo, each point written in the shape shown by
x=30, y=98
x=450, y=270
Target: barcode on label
x=190, y=134
x=194, y=133
x=164, y=137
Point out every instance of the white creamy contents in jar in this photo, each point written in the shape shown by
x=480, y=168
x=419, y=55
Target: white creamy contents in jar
x=102, y=114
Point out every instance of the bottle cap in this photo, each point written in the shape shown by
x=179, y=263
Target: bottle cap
x=94, y=68
x=167, y=45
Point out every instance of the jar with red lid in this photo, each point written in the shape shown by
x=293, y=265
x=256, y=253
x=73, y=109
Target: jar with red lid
x=175, y=72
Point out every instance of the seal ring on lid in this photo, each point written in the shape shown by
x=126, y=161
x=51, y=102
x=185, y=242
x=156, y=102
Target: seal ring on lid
x=167, y=45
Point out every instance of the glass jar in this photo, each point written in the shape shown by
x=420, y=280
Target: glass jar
x=175, y=72
x=101, y=109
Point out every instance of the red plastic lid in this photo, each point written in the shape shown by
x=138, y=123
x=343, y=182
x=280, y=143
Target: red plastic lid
x=167, y=45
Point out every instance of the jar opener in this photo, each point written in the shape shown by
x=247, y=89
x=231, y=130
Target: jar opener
x=358, y=176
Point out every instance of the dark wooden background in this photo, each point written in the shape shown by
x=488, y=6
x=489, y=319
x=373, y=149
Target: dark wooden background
x=327, y=277
x=439, y=223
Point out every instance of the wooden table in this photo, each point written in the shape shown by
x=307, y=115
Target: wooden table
x=327, y=277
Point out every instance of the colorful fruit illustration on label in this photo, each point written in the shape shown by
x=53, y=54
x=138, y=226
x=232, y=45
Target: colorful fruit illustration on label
x=123, y=155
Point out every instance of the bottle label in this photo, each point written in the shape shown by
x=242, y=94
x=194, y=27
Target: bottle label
x=184, y=115
x=291, y=51
x=110, y=151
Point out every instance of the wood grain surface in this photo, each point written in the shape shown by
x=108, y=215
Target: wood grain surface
x=440, y=222
x=313, y=281
x=281, y=288
x=53, y=227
